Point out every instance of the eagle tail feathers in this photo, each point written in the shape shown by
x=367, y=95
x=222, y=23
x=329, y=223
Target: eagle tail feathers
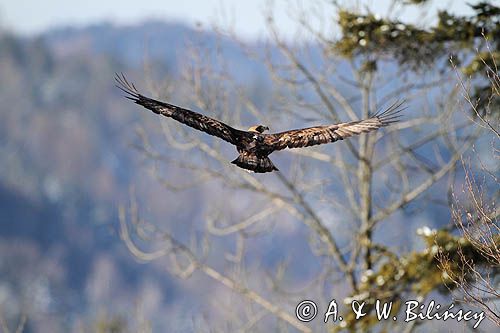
x=254, y=163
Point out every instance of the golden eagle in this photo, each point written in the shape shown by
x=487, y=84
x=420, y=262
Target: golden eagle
x=253, y=145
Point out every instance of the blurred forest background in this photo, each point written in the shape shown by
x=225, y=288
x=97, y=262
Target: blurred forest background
x=114, y=221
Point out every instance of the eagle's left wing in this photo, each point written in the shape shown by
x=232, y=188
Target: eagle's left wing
x=185, y=116
x=311, y=136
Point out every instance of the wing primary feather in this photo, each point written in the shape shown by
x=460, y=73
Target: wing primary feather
x=126, y=87
x=392, y=114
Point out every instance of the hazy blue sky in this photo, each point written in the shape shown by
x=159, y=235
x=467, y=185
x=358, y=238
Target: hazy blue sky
x=31, y=16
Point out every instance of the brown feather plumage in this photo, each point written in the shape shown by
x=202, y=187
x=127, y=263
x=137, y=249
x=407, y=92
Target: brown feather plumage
x=253, y=146
x=317, y=135
x=188, y=117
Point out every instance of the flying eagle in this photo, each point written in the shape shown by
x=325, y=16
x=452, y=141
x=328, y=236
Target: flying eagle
x=254, y=146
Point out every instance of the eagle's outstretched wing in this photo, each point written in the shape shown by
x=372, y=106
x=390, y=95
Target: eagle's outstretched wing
x=188, y=117
x=311, y=136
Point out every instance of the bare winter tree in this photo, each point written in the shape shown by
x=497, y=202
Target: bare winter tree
x=349, y=208
x=20, y=325
x=474, y=209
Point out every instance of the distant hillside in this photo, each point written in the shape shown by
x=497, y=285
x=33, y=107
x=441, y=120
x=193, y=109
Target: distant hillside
x=156, y=41
x=66, y=165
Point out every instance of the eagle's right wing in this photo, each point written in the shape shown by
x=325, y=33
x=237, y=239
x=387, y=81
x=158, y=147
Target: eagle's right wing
x=187, y=117
x=317, y=135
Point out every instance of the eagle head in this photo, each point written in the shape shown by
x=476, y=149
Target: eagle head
x=258, y=129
